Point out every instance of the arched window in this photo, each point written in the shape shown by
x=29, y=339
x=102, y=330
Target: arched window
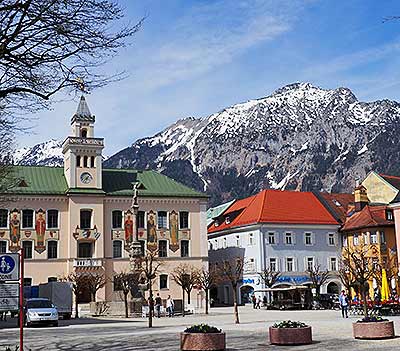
x=84, y=133
x=78, y=161
x=92, y=159
x=85, y=159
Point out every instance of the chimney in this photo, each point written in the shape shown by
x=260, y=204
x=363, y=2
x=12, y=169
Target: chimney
x=360, y=198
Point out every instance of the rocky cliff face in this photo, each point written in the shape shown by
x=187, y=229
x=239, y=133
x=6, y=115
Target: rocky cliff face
x=300, y=137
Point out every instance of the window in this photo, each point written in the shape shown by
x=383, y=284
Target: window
x=117, y=219
x=288, y=239
x=333, y=264
x=51, y=279
x=78, y=161
x=117, y=248
x=273, y=264
x=331, y=239
x=27, y=281
x=140, y=219
x=184, y=248
x=382, y=235
x=27, y=219
x=117, y=284
x=85, y=250
x=52, y=219
x=237, y=241
x=84, y=133
x=3, y=246
x=163, y=281
x=27, y=246
x=162, y=219
x=355, y=239
x=308, y=238
x=310, y=263
x=162, y=248
x=92, y=161
x=251, y=239
x=3, y=218
x=142, y=246
x=210, y=245
x=389, y=215
x=85, y=159
x=52, y=249
x=86, y=219
x=344, y=240
x=224, y=244
x=373, y=238
x=271, y=238
x=184, y=220
x=289, y=264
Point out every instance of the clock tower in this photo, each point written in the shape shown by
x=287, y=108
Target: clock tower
x=82, y=151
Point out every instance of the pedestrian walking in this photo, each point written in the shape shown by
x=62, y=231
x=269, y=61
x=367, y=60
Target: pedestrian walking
x=344, y=304
x=259, y=303
x=254, y=300
x=170, y=306
x=158, y=305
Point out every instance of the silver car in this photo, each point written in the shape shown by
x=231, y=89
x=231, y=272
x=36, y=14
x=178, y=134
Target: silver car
x=40, y=311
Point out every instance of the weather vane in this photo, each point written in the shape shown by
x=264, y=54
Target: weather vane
x=80, y=84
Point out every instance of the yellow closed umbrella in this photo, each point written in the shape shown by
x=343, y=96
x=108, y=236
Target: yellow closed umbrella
x=385, y=287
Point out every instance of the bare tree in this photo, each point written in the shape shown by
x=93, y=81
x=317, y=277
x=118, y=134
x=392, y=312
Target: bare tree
x=78, y=284
x=318, y=277
x=46, y=46
x=390, y=265
x=206, y=280
x=358, y=261
x=94, y=281
x=345, y=278
x=186, y=276
x=269, y=277
x=148, y=266
x=125, y=282
x=232, y=271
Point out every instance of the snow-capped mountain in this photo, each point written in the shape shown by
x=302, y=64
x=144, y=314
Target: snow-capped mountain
x=48, y=153
x=300, y=137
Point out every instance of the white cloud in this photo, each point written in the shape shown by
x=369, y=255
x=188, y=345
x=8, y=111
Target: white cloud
x=210, y=35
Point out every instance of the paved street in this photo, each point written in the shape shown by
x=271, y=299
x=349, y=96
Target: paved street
x=330, y=332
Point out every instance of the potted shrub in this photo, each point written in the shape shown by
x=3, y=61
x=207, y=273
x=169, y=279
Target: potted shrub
x=290, y=333
x=202, y=337
x=373, y=328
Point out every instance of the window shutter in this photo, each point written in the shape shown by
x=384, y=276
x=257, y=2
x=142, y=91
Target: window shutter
x=294, y=238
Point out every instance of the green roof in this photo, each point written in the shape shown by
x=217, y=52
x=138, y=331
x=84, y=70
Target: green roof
x=42, y=180
x=214, y=212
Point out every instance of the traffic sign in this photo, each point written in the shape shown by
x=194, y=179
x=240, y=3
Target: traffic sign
x=9, y=297
x=9, y=267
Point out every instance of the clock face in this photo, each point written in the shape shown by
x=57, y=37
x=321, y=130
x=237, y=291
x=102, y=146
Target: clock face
x=86, y=178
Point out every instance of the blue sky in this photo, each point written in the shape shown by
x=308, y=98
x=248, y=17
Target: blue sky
x=193, y=58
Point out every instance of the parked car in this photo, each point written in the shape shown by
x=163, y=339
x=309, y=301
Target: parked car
x=40, y=311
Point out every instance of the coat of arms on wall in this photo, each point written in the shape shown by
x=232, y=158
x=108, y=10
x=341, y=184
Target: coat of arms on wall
x=15, y=234
x=151, y=231
x=173, y=231
x=40, y=228
x=93, y=234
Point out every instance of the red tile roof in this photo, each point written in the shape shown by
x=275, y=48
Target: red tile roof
x=338, y=204
x=276, y=206
x=369, y=216
x=392, y=180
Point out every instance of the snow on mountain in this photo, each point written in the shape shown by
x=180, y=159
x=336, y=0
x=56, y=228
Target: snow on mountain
x=299, y=137
x=48, y=153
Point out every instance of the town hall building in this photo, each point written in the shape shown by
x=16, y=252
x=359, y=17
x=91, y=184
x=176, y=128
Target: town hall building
x=79, y=216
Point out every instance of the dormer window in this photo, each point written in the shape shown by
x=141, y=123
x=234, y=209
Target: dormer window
x=227, y=220
x=216, y=223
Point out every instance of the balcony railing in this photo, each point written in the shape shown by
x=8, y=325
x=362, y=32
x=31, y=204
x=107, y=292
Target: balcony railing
x=88, y=262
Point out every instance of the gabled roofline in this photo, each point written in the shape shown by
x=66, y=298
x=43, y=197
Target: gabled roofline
x=383, y=179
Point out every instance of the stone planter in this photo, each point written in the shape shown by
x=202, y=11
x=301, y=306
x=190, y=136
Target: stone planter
x=373, y=330
x=202, y=341
x=290, y=336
